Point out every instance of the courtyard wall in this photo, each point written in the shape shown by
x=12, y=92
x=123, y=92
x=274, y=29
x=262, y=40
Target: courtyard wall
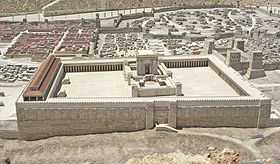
x=62, y=116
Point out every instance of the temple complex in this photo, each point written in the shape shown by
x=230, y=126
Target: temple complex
x=67, y=97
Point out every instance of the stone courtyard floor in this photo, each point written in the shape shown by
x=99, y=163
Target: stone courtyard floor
x=97, y=84
x=210, y=84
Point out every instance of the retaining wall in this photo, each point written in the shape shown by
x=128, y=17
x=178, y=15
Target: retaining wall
x=75, y=117
x=52, y=119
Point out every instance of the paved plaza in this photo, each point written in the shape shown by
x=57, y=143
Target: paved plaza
x=97, y=84
x=210, y=84
x=112, y=84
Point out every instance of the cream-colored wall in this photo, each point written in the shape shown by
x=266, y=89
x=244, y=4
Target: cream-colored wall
x=57, y=82
x=221, y=116
x=45, y=119
x=161, y=91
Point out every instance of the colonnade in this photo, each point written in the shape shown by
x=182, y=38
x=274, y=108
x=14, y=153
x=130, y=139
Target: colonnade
x=182, y=64
x=119, y=67
x=92, y=68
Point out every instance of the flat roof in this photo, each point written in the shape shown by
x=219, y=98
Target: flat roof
x=202, y=81
x=43, y=77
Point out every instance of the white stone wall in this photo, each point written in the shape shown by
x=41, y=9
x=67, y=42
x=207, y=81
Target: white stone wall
x=45, y=119
x=161, y=91
x=217, y=116
x=57, y=82
x=227, y=79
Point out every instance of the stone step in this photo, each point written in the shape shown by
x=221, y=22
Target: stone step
x=166, y=128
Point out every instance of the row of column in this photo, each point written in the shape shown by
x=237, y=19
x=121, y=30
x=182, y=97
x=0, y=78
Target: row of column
x=37, y=98
x=181, y=64
x=93, y=68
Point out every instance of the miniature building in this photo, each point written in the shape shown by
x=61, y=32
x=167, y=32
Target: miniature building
x=101, y=97
x=209, y=46
x=98, y=24
x=240, y=44
x=152, y=78
x=256, y=69
x=147, y=63
x=233, y=60
x=41, y=82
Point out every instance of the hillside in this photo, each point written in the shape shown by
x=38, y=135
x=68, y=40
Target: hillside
x=15, y=6
x=74, y=6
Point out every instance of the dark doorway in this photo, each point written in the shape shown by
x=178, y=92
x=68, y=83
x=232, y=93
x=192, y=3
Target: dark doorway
x=147, y=69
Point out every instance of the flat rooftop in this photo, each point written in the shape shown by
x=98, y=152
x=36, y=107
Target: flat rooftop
x=202, y=81
x=97, y=84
